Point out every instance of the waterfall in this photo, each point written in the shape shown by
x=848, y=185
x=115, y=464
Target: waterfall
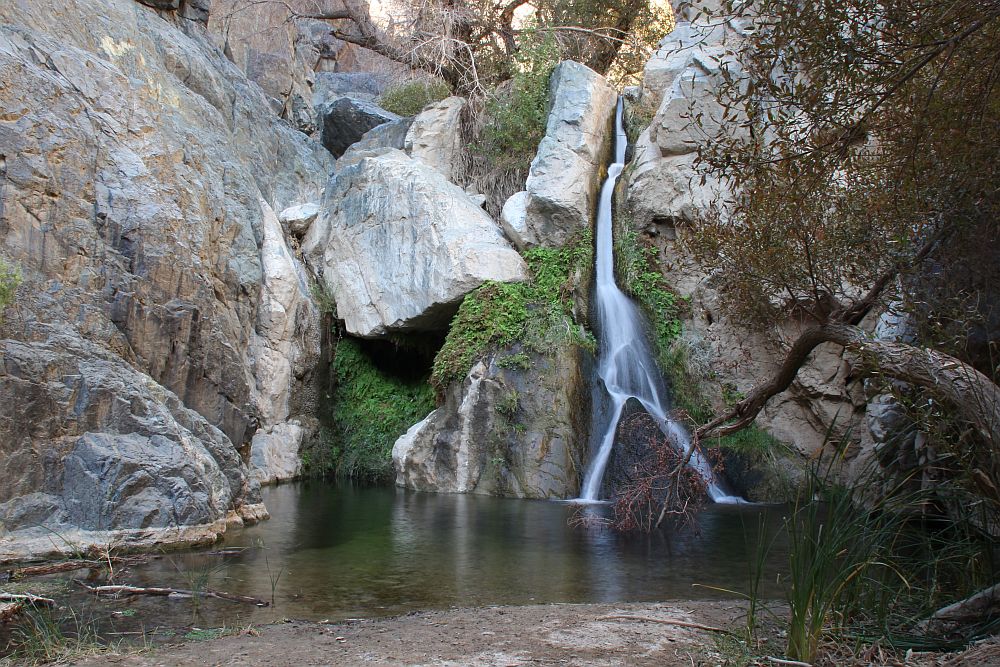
x=625, y=362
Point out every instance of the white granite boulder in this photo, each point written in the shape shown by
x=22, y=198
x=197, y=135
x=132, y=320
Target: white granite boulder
x=399, y=246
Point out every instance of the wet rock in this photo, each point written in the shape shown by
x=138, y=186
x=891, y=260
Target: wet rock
x=345, y=120
x=504, y=431
x=633, y=434
x=565, y=175
x=399, y=247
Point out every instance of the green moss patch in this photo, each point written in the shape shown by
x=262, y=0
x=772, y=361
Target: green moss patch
x=372, y=406
x=537, y=313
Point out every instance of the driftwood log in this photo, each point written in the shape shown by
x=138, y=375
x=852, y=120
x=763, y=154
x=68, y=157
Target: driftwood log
x=967, y=613
x=109, y=563
x=12, y=604
x=119, y=590
x=27, y=598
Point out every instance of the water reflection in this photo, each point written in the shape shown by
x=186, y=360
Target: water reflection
x=347, y=552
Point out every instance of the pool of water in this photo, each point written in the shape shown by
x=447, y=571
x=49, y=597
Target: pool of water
x=341, y=551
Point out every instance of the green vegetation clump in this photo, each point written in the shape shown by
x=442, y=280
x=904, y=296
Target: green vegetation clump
x=516, y=113
x=410, y=98
x=537, y=313
x=10, y=280
x=638, y=116
x=642, y=280
x=371, y=409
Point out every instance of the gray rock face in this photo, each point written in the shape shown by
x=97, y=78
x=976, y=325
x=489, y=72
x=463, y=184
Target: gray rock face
x=565, y=175
x=345, y=120
x=160, y=307
x=681, y=77
x=435, y=137
x=399, y=246
x=387, y=135
x=274, y=453
x=99, y=446
x=164, y=487
x=296, y=219
x=470, y=444
x=332, y=85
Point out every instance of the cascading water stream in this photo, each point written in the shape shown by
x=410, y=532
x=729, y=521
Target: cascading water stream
x=624, y=362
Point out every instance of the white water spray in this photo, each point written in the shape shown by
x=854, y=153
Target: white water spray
x=624, y=361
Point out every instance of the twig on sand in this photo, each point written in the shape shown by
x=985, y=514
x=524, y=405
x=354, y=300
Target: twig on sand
x=665, y=621
x=791, y=663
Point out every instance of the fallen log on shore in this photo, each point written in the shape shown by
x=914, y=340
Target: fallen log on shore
x=118, y=590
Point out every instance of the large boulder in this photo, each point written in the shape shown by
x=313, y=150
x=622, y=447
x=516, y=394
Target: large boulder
x=387, y=135
x=345, y=120
x=141, y=170
x=359, y=85
x=565, y=176
x=504, y=431
x=99, y=451
x=435, y=136
x=399, y=246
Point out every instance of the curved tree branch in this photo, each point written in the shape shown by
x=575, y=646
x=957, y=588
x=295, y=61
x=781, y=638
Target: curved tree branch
x=973, y=394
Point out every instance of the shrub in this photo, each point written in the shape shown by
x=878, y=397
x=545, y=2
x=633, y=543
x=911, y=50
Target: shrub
x=410, y=98
x=516, y=113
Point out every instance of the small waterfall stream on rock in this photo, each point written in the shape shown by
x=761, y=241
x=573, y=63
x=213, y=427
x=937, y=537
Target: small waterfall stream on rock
x=625, y=362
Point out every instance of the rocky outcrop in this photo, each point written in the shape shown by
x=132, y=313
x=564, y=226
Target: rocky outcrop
x=297, y=219
x=359, y=85
x=345, y=120
x=664, y=195
x=435, y=136
x=679, y=80
x=274, y=452
x=504, y=431
x=399, y=246
x=161, y=321
x=387, y=135
x=565, y=175
x=99, y=451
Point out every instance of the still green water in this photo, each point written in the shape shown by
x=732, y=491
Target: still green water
x=347, y=552
x=339, y=551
